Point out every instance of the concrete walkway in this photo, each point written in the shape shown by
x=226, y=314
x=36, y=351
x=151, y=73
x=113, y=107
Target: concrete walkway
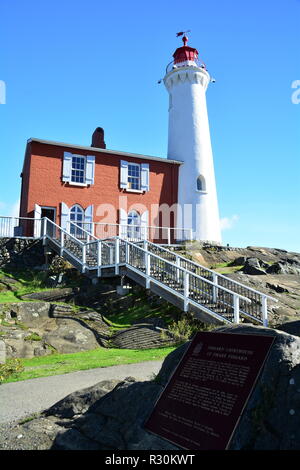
x=20, y=399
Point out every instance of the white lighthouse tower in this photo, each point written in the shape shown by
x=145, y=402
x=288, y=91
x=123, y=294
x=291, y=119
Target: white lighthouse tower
x=189, y=141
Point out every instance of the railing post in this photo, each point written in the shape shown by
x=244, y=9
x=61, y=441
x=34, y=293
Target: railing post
x=264, y=310
x=236, y=308
x=148, y=270
x=99, y=257
x=169, y=236
x=45, y=221
x=186, y=289
x=62, y=242
x=117, y=256
x=215, y=289
x=177, y=270
x=83, y=258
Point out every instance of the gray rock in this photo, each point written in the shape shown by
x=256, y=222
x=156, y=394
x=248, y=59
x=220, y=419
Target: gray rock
x=2, y=352
x=291, y=327
x=62, y=295
x=253, y=267
x=70, y=337
x=276, y=287
x=283, y=268
x=240, y=261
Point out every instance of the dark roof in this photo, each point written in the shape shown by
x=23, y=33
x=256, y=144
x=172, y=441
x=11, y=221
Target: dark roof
x=112, y=152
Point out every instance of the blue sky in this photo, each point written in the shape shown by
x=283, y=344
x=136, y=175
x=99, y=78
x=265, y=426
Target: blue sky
x=70, y=66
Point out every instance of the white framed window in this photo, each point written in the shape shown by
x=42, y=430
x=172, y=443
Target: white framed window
x=78, y=169
x=134, y=176
x=134, y=225
x=77, y=217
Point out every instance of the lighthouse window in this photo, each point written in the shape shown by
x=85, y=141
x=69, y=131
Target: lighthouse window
x=201, y=186
x=134, y=176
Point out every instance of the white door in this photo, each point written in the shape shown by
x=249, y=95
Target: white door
x=37, y=221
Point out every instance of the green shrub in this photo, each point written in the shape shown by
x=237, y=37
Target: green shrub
x=11, y=367
x=33, y=337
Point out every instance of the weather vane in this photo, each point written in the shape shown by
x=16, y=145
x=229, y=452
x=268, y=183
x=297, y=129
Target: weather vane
x=185, y=38
x=182, y=32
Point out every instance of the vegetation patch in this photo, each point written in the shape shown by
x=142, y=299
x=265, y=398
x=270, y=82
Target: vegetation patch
x=11, y=368
x=33, y=337
x=56, y=364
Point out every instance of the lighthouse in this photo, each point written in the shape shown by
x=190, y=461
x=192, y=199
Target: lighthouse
x=186, y=81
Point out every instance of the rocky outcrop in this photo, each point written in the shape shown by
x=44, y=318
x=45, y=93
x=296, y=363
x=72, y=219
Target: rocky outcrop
x=111, y=416
x=142, y=335
x=31, y=329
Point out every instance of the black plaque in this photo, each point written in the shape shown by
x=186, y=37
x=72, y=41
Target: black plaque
x=205, y=397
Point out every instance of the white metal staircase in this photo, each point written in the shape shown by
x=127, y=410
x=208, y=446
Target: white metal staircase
x=192, y=287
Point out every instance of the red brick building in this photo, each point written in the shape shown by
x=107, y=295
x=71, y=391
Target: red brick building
x=101, y=190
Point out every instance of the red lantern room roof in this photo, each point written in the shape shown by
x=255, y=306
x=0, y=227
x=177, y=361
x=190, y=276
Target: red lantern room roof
x=185, y=52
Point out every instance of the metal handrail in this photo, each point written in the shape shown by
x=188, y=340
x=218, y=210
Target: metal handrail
x=61, y=229
x=211, y=271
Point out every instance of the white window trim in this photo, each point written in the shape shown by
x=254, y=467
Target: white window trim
x=129, y=190
x=72, y=183
x=83, y=157
x=137, y=178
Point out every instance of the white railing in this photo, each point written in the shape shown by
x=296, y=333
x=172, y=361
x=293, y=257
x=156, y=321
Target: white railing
x=222, y=302
x=169, y=235
x=258, y=307
x=26, y=227
x=197, y=285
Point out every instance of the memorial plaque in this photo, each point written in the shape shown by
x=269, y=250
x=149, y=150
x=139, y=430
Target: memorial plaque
x=205, y=397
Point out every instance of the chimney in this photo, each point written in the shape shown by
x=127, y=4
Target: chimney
x=98, y=138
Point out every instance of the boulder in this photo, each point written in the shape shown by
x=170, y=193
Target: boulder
x=282, y=267
x=291, y=327
x=253, y=266
x=240, y=261
x=62, y=295
x=70, y=336
x=2, y=352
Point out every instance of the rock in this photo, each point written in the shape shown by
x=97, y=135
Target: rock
x=276, y=287
x=283, y=268
x=70, y=337
x=25, y=312
x=141, y=336
x=290, y=327
x=62, y=295
x=253, y=267
x=240, y=261
x=2, y=352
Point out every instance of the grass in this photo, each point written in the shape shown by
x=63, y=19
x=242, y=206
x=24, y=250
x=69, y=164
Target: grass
x=27, y=282
x=126, y=318
x=57, y=364
x=226, y=268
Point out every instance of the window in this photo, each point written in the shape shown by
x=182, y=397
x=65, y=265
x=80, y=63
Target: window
x=134, y=225
x=134, y=176
x=77, y=217
x=201, y=186
x=78, y=169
